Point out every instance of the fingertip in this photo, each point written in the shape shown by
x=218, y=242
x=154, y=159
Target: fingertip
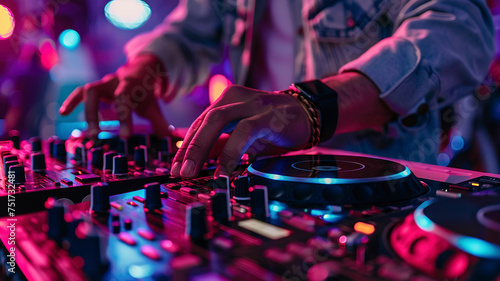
x=188, y=169
x=176, y=169
x=221, y=171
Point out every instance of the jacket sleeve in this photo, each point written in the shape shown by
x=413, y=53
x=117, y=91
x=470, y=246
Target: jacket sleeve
x=440, y=51
x=187, y=42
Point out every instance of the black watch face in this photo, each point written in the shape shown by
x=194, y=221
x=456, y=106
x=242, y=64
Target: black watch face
x=316, y=89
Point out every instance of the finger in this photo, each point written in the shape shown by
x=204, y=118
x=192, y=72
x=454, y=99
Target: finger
x=179, y=156
x=71, y=101
x=158, y=122
x=123, y=110
x=92, y=110
x=244, y=135
x=208, y=133
x=124, y=115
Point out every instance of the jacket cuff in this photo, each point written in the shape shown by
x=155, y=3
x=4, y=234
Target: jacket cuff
x=395, y=65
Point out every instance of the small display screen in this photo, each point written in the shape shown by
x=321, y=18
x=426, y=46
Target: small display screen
x=268, y=230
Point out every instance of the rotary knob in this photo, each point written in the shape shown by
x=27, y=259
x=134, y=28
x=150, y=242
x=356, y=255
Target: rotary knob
x=60, y=150
x=7, y=166
x=19, y=175
x=221, y=206
x=14, y=137
x=108, y=160
x=56, y=222
x=141, y=156
x=36, y=144
x=120, y=165
x=99, y=200
x=259, y=204
x=196, y=224
x=153, y=196
x=97, y=157
x=241, y=192
x=38, y=162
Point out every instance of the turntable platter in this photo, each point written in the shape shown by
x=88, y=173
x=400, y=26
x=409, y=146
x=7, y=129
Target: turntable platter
x=336, y=179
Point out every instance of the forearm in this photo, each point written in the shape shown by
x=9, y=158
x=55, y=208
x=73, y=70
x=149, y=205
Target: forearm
x=360, y=106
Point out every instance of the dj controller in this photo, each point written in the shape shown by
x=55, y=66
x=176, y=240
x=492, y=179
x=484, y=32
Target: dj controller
x=108, y=210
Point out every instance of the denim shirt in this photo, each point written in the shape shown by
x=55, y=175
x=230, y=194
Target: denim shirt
x=422, y=55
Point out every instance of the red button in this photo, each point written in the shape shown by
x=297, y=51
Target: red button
x=150, y=252
x=127, y=238
x=146, y=234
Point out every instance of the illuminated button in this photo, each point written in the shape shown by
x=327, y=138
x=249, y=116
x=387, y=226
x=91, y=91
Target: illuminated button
x=188, y=190
x=116, y=206
x=364, y=228
x=67, y=181
x=150, y=252
x=324, y=271
x=127, y=238
x=132, y=203
x=223, y=243
x=169, y=246
x=139, y=199
x=300, y=250
x=86, y=178
x=279, y=256
x=164, y=171
x=395, y=272
x=204, y=197
x=475, y=184
x=185, y=262
x=448, y=194
x=146, y=234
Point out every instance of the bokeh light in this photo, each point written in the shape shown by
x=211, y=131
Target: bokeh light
x=457, y=143
x=69, y=38
x=127, y=14
x=48, y=53
x=217, y=84
x=7, y=22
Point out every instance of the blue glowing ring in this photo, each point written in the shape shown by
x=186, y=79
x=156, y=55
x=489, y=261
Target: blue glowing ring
x=406, y=172
x=468, y=244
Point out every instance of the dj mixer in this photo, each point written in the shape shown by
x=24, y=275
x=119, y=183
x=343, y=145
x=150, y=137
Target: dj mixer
x=317, y=215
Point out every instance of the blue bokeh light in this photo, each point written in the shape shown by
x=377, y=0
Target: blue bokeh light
x=443, y=159
x=457, y=143
x=70, y=39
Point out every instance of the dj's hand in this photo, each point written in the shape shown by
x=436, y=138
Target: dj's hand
x=261, y=123
x=134, y=87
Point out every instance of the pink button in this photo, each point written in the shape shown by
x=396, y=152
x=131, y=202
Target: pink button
x=146, y=234
x=127, y=238
x=150, y=252
x=169, y=246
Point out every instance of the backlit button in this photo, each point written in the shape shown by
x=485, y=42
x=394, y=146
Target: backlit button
x=150, y=252
x=127, y=238
x=185, y=262
x=146, y=234
x=299, y=250
x=169, y=246
x=223, y=243
x=132, y=203
x=116, y=206
x=278, y=255
x=139, y=199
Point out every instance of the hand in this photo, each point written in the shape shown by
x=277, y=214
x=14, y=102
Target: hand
x=134, y=86
x=264, y=123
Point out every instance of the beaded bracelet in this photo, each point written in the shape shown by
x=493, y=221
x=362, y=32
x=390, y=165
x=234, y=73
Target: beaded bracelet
x=312, y=113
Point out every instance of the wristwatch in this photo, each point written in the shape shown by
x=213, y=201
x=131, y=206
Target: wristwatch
x=326, y=101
